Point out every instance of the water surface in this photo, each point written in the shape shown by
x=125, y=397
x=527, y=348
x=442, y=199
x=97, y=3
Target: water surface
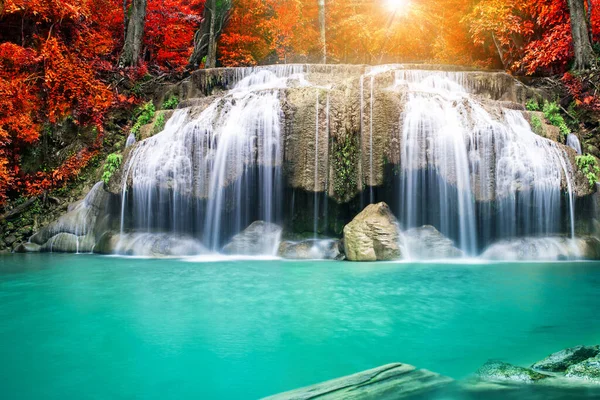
x=106, y=327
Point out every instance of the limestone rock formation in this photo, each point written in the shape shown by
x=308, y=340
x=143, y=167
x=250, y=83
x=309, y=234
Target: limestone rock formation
x=79, y=228
x=392, y=381
x=561, y=360
x=426, y=243
x=373, y=235
x=259, y=238
x=498, y=371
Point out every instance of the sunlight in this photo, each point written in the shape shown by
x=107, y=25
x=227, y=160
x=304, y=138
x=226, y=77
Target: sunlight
x=397, y=5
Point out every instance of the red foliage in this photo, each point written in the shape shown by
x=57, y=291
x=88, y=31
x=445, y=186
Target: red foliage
x=582, y=93
x=169, y=33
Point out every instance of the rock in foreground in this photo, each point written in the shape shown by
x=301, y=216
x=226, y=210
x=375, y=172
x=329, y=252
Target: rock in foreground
x=561, y=360
x=498, y=371
x=392, y=381
x=373, y=235
x=588, y=370
x=260, y=238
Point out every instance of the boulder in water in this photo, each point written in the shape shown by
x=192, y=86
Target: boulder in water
x=498, y=371
x=561, y=360
x=373, y=235
x=427, y=242
x=260, y=238
x=311, y=250
x=392, y=381
x=588, y=370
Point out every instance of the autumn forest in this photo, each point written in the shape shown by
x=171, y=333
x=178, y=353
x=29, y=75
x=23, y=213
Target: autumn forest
x=81, y=60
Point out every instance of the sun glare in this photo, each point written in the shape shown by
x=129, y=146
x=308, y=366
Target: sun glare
x=396, y=5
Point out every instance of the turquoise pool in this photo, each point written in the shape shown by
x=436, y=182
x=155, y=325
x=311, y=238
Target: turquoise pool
x=82, y=326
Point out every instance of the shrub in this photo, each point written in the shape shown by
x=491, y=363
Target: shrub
x=113, y=163
x=589, y=166
x=171, y=103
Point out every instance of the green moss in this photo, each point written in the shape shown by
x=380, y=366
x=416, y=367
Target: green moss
x=345, y=165
x=113, y=163
x=536, y=125
x=159, y=125
x=171, y=103
x=589, y=166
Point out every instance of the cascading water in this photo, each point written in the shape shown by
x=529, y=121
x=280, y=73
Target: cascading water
x=472, y=169
x=573, y=142
x=475, y=176
x=130, y=140
x=212, y=174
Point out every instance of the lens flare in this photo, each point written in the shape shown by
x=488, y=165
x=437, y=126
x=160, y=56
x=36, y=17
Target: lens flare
x=396, y=5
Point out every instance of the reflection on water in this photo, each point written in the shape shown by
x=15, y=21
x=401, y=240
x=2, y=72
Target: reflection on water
x=122, y=328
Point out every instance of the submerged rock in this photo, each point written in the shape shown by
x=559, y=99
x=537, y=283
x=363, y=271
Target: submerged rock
x=327, y=249
x=427, y=242
x=540, y=249
x=373, y=235
x=498, y=371
x=260, y=238
x=588, y=370
x=561, y=360
x=392, y=381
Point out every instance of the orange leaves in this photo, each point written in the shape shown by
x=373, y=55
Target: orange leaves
x=170, y=28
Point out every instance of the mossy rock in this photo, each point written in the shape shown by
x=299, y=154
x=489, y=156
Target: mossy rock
x=498, y=371
x=561, y=360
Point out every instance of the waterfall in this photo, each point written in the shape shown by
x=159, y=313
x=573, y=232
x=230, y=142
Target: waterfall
x=470, y=167
x=476, y=175
x=130, y=140
x=573, y=142
x=210, y=174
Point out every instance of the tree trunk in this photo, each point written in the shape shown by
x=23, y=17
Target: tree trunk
x=211, y=56
x=323, y=32
x=214, y=20
x=584, y=54
x=134, y=36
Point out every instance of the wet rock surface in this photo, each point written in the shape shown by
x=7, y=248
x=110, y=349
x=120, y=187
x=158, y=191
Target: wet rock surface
x=427, y=243
x=561, y=360
x=501, y=371
x=149, y=245
x=260, y=238
x=544, y=248
x=588, y=370
x=311, y=250
x=373, y=235
x=392, y=381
